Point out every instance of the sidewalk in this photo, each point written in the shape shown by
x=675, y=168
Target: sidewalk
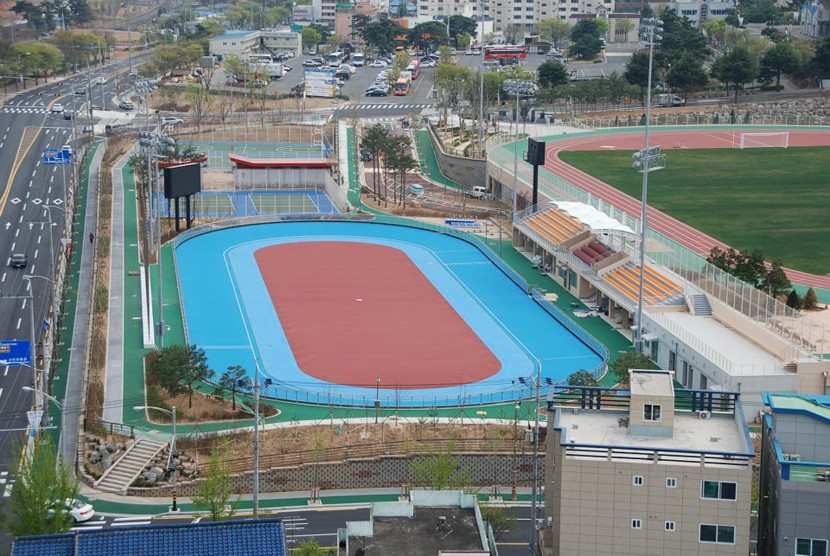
x=106, y=503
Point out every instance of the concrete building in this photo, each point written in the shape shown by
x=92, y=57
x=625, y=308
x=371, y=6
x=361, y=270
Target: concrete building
x=697, y=11
x=814, y=19
x=234, y=42
x=303, y=14
x=649, y=470
x=242, y=43
x=794, y=516
x=429, y=10
x=344, y=19
x=325, y=12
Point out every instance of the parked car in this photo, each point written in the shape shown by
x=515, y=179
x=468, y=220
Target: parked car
x=378, y=64
x=101, y=80
x=19, y=260
x=79, y=92
x=57, y=108
x=79, y=510
x=286, y=68
x=429, y=63
x=171, y=120
x=126, y=105
x=67, y=115
x=311, y=64
x=670, y=100
x=376, y=93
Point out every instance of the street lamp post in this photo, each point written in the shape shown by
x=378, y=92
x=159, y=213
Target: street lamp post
x=257, y=418
x=650, y=33
x=36, y=376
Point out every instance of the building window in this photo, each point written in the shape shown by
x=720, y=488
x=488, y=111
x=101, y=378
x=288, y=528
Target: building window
x=637, y=480
x=671, y=482
x=716, y=534
x=810, y=547
x=655, y=345
x=670, y=526
x=704, y=382
x=636, y=524
x=718, y=490
x=672, y=361
x=651, y=412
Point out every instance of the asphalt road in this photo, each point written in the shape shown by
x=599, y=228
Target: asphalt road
x=26, y=186
x=301, y=524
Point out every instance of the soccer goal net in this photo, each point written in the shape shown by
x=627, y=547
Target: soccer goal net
x=755, y=140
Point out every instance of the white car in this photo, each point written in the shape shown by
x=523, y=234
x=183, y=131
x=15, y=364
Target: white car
x=79, y=510
x=101, y=80
x=170, y=120
x=57, y=108
x=378, y=64
x=428, y=63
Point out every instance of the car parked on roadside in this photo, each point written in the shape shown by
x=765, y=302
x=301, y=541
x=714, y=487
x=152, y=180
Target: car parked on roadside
x=378, y=64
x=171, y=120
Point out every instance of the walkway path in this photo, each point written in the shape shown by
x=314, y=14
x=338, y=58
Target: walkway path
x=428, y=160
x=71, y=414
x=114, y=371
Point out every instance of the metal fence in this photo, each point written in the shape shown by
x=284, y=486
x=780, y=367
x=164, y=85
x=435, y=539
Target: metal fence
x=662, y=250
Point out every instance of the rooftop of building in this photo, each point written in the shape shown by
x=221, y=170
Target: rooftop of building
x=252, y=537
x=429, y=531
x=651, y=383
x=735, y=353
x=797, y=467
x=705, y=421
x=814, y=406
x=237, y=34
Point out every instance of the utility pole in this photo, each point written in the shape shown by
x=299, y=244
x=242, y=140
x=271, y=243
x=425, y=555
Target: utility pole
x=256, y=442
x=650, y=32
x=534, y=528
x=481, y=83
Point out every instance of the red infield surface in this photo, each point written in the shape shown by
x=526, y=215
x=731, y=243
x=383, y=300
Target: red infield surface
x=354, y=311
x=660, y=221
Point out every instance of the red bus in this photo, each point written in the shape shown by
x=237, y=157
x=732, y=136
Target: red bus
x=414, y=68
x=505, y=52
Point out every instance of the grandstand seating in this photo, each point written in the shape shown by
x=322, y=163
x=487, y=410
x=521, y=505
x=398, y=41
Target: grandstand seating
x=554, y=225
x=656, y=287
x=592, y=252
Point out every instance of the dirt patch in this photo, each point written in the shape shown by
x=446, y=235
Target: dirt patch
x=205, y=409
x=116, y=148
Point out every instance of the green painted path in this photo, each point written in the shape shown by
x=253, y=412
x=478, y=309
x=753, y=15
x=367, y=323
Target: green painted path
x=428, y=160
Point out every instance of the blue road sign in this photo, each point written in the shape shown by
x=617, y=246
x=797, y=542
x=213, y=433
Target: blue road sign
x=15, y=352
x=57, y=156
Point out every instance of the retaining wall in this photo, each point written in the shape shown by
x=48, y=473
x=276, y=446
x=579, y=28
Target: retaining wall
x=469, y=172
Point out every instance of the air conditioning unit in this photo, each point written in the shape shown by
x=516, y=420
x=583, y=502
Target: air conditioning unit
x=704, y=414
x=792, y=457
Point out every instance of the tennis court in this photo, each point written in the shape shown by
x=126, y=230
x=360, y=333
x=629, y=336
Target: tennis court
x=222, y=204
x=347, y=312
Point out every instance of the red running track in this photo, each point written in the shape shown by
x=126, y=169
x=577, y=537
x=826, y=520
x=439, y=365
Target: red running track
x=353, y=312
x=660, y=221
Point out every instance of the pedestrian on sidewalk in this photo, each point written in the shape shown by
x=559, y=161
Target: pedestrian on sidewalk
x=91, y=237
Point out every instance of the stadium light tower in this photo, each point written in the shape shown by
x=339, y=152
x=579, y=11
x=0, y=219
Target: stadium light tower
x=650, y=33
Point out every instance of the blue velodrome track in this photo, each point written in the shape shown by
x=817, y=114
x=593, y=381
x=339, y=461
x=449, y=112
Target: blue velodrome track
x=229, y=314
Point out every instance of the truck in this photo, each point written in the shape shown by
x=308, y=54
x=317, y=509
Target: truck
x=273, y=70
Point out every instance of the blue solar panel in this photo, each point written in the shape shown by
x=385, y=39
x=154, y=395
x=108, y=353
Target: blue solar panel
x=251, y=537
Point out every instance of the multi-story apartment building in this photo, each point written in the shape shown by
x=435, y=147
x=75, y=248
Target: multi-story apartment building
x=649, y=470
x=794, y=516
x=697, y=11
x=325, y=12
x=814, y=19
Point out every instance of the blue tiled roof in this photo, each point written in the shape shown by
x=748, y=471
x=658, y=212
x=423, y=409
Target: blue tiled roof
x=248, y=537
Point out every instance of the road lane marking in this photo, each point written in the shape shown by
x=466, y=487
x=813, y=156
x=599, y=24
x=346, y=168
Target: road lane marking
x=19, y=320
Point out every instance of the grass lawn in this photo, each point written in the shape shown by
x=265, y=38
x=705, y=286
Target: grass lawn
x=775, y=200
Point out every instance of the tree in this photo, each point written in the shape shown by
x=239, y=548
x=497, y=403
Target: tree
x=359, y=23
x=553, y=29
x=199, y=100
x=552, y=73
x=680, y=38
x=781, y=58
x=585, y=37
x=234, y=380
x=627, y=361
x=810, y=300
x=196, y=370
x=746, y=266
x=213, y=492
x=776, y=281
x=310, y=548
x=762, y=11
x=513, y=32
x=821, y=60
x=374, y=142
x=687, y=75
x=461, y=25
x=235, y=66
x=428, y=36
x=793, y=300
x=581, y=378
x=636, y=71
x=439, y=472
x=738, y=67
x=715, y=30
x=178, y=369
x=311, y=38
x=43, y=484
x=498, y=518
x=381, y=35
x=463, y=40
x=773, y=34
x=37, y=59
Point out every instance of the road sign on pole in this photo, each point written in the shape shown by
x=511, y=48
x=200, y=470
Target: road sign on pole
x=34, y=417
x=15, y=352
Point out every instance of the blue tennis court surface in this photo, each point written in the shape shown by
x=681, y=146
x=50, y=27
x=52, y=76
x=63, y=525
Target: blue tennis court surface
x=216, y=204
x=229, y=314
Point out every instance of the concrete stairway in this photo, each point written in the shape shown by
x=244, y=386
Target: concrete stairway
x=122, y=473
x=701, y=305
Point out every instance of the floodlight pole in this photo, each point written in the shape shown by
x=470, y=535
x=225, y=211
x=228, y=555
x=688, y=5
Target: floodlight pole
x=638, y=333
x=534, y=529
x=481, y=82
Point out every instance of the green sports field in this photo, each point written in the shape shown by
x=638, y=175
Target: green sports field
x=775, y=200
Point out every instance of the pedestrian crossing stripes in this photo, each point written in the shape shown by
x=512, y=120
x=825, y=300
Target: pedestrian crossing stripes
x=381, y=106
x=23, y=110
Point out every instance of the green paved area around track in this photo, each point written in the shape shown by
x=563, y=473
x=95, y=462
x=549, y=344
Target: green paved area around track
x=428, y=160
x=292, y=411
x=774, y=200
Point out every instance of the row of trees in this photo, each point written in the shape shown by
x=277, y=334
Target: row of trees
x=392, y=154
x=385, y=34
x=751, y=267
x=51, y=14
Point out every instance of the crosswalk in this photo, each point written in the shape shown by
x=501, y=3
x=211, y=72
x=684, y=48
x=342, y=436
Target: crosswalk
x=23, y=110
x=351, y=107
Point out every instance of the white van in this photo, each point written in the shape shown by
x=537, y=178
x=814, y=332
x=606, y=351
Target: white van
x=358, y=59
x=478, y=192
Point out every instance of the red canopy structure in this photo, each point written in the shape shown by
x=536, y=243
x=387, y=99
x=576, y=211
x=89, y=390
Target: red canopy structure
x=266, y=163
